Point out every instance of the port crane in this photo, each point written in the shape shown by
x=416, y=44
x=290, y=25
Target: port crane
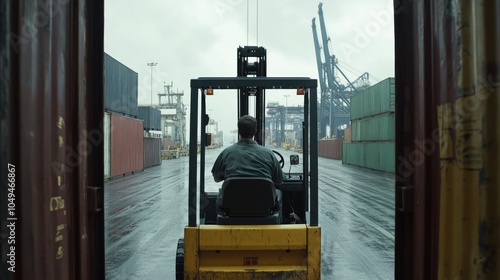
x=334, y=109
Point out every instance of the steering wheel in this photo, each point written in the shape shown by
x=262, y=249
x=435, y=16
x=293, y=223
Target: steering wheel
x=281, y=160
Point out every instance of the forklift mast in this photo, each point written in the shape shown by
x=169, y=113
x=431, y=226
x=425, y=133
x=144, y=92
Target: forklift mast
x=252, y=62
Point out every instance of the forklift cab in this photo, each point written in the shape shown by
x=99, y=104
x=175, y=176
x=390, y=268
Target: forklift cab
x=296, y=186
x=246, y=240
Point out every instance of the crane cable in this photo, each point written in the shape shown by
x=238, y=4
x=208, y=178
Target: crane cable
x=247, y=20
x=257, y=23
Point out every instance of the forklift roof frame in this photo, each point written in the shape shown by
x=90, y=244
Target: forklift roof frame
x=310, y=113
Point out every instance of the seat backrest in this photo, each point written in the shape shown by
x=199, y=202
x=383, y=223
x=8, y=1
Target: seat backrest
x=248, y=196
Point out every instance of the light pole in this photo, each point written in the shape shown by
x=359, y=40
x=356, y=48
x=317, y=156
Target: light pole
x=152, y=64
x=286, y=106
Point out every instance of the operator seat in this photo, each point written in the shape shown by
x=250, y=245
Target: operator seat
x=248, y=201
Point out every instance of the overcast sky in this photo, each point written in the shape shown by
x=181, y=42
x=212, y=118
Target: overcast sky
x=199, y=38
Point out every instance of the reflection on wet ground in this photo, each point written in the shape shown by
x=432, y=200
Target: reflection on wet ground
x=146, y=213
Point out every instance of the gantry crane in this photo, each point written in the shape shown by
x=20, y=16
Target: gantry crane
x=174, y=116
x=335, y=97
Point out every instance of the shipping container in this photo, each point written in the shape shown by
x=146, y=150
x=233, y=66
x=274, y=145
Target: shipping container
x=120, y=87
x=373, y=155
x=152, y=152
x=150, y=116
x=127, y=145
x=448, y=139
x=348, y=134
x=330, y=148
x=51, y=111
x=380, y=127
x=377, y=99
x=107, y=145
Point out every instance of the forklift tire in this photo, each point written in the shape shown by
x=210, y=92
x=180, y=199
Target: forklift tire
x=179, y=260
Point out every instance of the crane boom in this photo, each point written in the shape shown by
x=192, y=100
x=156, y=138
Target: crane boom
x=317, y=48
x=334, y=108
x=325, y=103
x=326, y=50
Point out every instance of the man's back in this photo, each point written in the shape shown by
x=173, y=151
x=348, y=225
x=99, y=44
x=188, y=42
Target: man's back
x=247, y=159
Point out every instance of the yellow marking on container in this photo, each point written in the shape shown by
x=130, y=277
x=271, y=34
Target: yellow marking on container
x=61, y=141
x=60, y=252
x=60, y=122
x=56, y=203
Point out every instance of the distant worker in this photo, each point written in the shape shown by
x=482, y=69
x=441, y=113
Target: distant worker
x=247, y=158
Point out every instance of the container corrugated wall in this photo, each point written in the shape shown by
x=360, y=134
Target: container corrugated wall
x=120, y=87
x=127, y=144
x=150, y=116
x=448, y=139
x=377, y=99
x=381, y=127
x=374, y=155
x=372, y=128
x=152, y=152
x=330, y=148
x=51, y=108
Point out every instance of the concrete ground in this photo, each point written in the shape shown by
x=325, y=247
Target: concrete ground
x=147, y=211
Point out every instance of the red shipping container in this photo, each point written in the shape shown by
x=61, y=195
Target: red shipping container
x=330, y=148
x=127, y=145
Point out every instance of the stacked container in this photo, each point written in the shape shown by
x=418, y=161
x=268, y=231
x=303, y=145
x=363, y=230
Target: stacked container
x=123, y=132
x=150, y=116
x=372, y=128
x=120, y=88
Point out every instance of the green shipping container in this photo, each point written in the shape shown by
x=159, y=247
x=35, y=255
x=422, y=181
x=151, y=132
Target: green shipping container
x=377, y=99
x=374, y=128
x=373, y=155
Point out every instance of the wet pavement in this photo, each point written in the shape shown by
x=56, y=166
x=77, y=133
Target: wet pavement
x=146, y=213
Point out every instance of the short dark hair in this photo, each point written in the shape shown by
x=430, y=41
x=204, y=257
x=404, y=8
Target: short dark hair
x=247, y=126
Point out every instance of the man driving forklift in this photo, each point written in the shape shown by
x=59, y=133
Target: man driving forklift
x=246, y=240
x=247, y=158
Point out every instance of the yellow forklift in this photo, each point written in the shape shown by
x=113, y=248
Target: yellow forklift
x=247, y=240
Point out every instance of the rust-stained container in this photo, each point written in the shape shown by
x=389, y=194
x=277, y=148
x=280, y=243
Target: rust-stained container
x=330, y=148
x=448, y=139
x=127, y=145
x=152, y=152
x=51, y=110
x=120, y=87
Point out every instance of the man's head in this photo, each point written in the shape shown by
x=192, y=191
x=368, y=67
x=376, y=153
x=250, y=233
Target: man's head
x=247, y=127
